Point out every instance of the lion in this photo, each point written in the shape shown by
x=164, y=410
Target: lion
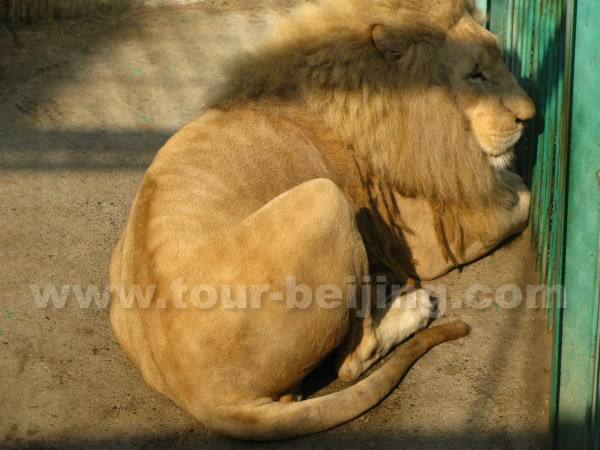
x=372, y=136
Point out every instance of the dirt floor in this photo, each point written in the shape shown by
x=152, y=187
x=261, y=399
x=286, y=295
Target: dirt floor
x=83, y=109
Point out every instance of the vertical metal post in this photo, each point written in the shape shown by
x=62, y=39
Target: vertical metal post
x=577, y=397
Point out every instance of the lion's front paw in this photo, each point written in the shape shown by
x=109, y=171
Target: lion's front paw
x=524, y=199
x=512, y=179
x=416, y=309
x=407, y=314
x=424, y=307
x=520, y=210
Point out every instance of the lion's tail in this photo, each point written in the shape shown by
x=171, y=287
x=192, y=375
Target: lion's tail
x=286, y=420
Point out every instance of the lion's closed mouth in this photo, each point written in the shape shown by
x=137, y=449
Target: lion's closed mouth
x=503, y=160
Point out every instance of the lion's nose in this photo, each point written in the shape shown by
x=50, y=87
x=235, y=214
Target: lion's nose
x=526, y=112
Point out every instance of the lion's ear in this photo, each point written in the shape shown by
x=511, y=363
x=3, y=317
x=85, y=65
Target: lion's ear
x=394, y=41
x=391, y=45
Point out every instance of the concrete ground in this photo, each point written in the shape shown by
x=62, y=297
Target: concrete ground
x=83, y=109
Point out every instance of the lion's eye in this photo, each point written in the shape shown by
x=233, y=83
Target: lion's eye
x=477, y=76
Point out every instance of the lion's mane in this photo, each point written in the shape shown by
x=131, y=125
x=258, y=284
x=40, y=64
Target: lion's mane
x=394, y=117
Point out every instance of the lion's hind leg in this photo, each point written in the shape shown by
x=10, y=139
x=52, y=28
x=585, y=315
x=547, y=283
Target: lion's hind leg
x=302, y=247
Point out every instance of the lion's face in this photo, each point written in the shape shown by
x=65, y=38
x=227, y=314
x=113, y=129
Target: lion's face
x=465, y=59
x=482, y=86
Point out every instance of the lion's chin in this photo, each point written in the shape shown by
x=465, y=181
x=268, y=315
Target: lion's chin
x=502, y=161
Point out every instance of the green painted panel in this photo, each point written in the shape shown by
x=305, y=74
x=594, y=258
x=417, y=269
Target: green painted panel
x=577, y=419
x=551, y=47
x=482, y=5
x=496, y=9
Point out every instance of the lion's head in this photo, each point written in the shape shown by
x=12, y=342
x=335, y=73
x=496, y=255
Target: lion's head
x=417, y=89
x=468, y=63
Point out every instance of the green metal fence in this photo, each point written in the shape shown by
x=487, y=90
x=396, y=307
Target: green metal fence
x=553, y=47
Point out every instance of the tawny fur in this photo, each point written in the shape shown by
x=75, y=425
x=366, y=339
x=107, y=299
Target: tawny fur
x=360, y=137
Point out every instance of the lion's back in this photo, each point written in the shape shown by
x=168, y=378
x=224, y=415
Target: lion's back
x=220, y=169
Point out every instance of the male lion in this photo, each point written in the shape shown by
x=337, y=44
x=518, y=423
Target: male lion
x=372, y=136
